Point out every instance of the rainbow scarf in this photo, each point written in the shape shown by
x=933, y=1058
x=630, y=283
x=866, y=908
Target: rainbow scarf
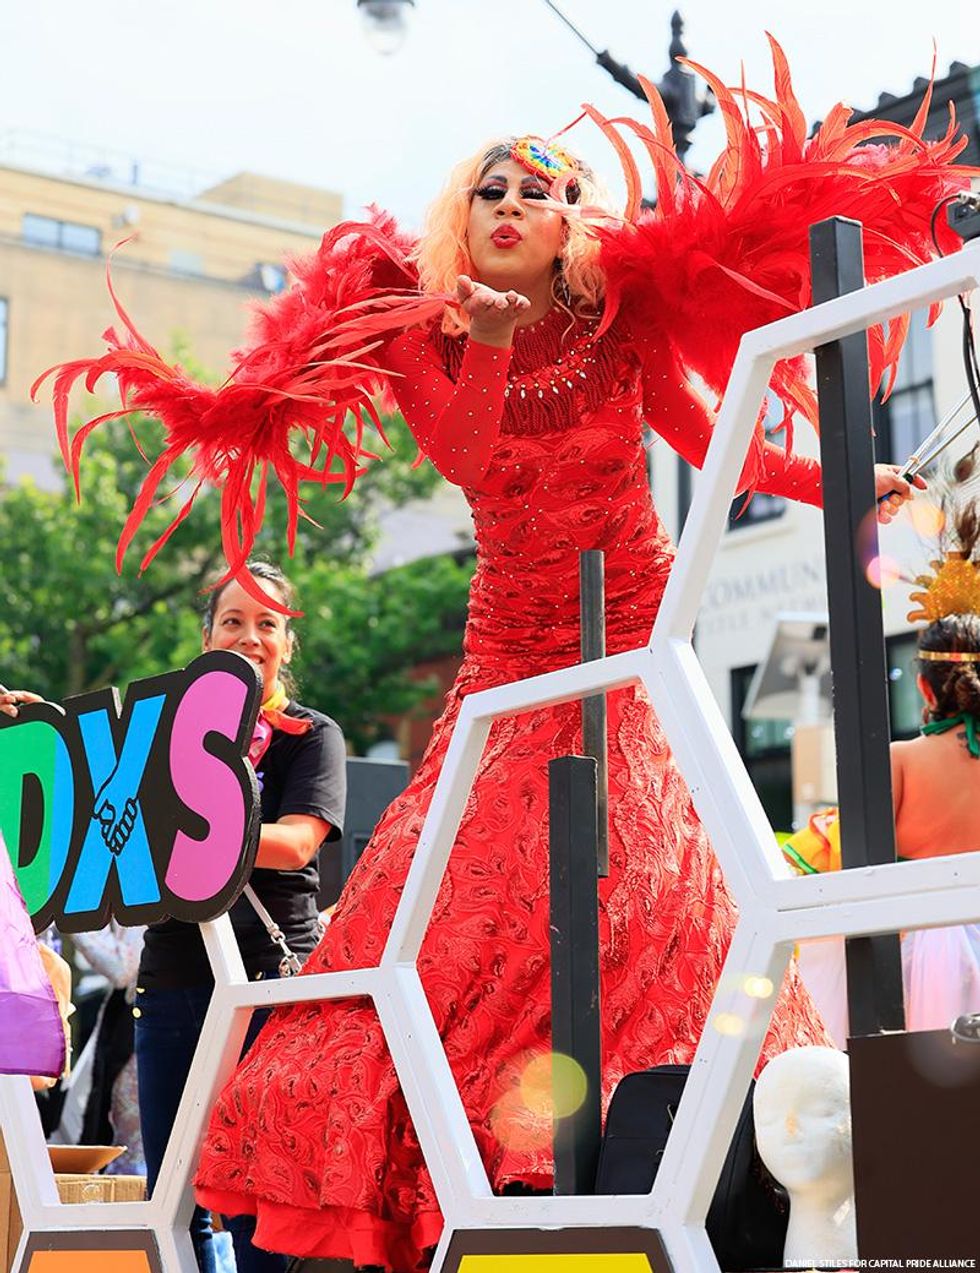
x=271, y=717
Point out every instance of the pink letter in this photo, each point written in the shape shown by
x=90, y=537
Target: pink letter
x=199, y=869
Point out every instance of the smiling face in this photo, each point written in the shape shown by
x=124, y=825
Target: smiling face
x=513, y=241
x=242, y=624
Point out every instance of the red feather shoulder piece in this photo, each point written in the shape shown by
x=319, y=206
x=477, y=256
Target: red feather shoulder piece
x=722, y=255
x=296, y=404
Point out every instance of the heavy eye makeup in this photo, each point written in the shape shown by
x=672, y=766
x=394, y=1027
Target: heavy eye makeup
x=493, y=192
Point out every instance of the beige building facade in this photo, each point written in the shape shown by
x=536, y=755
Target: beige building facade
x=188, y=273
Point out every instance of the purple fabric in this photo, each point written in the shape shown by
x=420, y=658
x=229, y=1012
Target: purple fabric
x=32, y=1037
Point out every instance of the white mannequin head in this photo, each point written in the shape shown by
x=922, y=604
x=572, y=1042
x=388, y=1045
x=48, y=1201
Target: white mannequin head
x=803, y=1131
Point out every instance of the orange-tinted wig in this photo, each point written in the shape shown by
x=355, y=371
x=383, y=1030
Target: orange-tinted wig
x=442, y=253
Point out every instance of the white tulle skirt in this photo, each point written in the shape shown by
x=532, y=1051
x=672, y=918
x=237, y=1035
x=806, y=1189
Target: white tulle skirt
x=821, y=961
x=941, y=970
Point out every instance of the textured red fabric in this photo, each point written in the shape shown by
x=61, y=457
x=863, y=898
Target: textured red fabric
x=454, y=394
x=312, y=1133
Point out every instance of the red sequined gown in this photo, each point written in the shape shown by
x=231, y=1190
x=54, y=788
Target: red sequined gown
x=312, y=1132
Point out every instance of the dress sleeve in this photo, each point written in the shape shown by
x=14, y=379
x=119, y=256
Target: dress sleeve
x=677, y=413
x=455, y=424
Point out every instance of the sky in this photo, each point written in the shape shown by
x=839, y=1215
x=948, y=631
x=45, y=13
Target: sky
x=292, y=89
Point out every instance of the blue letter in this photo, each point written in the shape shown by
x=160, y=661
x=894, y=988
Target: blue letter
x=117, y=834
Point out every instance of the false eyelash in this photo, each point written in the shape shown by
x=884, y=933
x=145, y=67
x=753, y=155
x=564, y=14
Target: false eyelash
x=495, y=193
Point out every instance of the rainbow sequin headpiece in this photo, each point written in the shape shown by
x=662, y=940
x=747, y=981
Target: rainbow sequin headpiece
x=541, y=157
x=952, y=588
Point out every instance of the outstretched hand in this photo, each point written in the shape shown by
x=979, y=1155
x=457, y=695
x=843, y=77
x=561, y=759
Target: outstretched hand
x=492, y=314
x=11, y=701
x=889, y=482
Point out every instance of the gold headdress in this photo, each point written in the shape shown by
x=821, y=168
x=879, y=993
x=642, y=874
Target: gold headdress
x=953, y=586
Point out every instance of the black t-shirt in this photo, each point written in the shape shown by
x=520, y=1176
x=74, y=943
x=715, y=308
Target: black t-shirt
x=299, y=773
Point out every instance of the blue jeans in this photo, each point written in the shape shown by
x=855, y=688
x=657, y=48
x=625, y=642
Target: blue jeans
x=167, y=1031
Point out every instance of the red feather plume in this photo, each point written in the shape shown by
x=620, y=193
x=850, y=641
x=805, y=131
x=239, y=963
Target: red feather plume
x=722, y=255
x=310, y=372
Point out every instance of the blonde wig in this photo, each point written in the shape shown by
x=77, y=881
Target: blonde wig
x=442, y=254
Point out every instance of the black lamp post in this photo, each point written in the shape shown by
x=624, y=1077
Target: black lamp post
x=678, y=87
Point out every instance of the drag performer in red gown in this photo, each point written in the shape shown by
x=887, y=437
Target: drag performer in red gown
x=526, y=337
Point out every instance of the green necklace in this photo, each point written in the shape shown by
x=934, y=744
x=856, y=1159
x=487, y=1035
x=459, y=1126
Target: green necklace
x=961, y=718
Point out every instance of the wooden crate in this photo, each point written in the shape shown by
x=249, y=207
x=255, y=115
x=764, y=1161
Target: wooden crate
x=72, y=1188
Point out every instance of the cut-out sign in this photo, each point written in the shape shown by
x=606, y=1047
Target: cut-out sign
x=140, y=812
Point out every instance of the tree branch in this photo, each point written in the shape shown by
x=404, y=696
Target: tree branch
x=148, y=602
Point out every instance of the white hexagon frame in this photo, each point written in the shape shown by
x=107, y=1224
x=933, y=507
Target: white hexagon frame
x=775, y=909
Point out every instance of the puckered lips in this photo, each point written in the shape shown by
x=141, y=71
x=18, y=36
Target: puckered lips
x=506, y=236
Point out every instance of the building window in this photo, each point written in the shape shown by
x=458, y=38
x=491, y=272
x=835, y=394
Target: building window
x=66, y=236
x=4, y=312
x=272, y=277
x=764, y=746
x=38, y=466
x=750, y=511
x=904, y=702
x=183, y=261
x=684, y=493
x=267, y=276
x=909, y=415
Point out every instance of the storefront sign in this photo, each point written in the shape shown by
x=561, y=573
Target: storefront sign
x=748, y=601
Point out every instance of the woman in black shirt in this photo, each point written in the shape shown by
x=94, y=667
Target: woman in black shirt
x=299, y=758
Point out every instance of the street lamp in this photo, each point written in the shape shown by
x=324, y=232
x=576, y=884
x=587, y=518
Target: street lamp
x=677, y=88
x=385, y=23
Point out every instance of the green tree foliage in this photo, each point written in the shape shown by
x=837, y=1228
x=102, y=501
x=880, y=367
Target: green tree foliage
x=362, y=635
x=72, y=624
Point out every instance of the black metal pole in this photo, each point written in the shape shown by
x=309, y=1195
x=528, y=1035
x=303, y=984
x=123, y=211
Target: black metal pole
x=592, y=602
x=575, y=1016
x=857, y=645
x=620, y=73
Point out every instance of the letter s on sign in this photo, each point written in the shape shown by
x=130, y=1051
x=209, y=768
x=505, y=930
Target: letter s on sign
x=200, y=869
